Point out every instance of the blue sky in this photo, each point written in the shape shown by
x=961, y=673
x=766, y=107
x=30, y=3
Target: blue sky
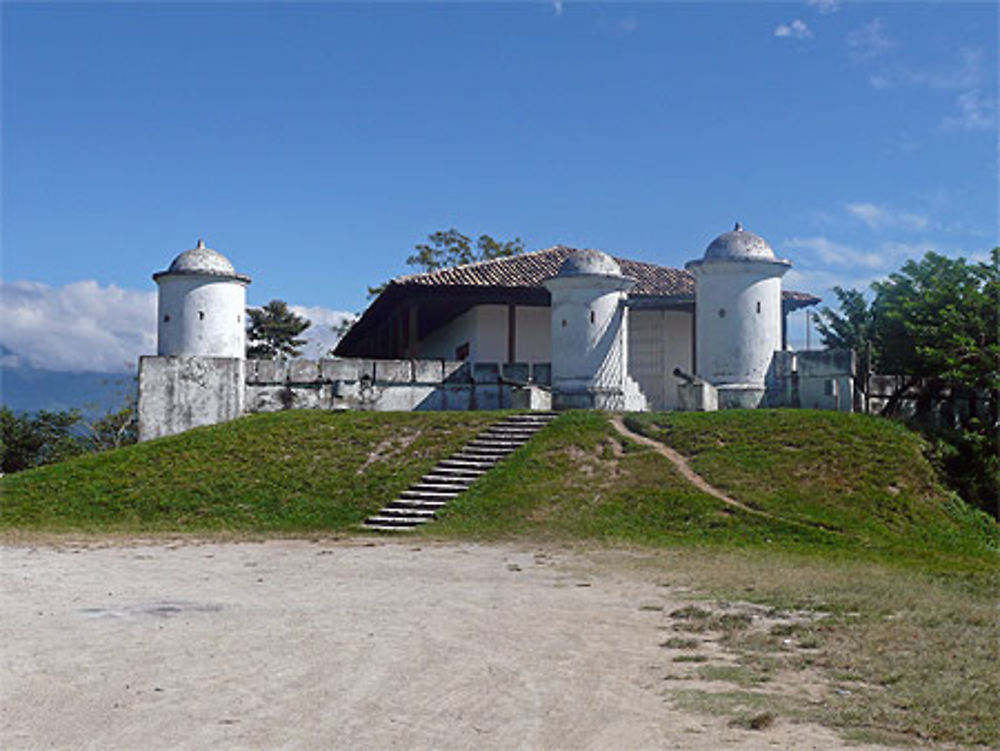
x=314, y=144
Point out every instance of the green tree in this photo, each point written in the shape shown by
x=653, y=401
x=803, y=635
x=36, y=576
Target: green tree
x=272, y=332
x=937, y=318
x=115, y=428
x=853, y=327
x=450, y=247
x=934, y=318
x=46, y=437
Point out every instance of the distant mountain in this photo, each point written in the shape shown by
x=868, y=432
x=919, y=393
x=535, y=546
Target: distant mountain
x=29, y=389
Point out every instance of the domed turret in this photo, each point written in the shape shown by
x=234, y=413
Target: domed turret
x=589, y=334
x=202, y=260
x=737, y=314
x=739, y=245
x=589, y=263
x=201, y=306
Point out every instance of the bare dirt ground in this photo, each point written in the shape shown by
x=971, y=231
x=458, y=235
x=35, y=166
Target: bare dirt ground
x=354, y=644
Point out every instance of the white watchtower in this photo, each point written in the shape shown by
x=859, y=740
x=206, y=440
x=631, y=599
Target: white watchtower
x=590, y=335
x=737, y=315
x=201, y=306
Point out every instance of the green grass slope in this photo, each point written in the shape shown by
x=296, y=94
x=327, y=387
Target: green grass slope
x=863, y=477
x=830, y=482
x=289, y=471
x=843, y=484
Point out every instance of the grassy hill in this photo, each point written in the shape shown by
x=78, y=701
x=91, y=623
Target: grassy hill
x=827, y=482
x=290, y=471
x=912, y=644
x=834, y=483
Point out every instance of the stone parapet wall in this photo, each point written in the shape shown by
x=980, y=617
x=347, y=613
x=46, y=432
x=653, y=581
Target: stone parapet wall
x=813, y=379
x=179, y=393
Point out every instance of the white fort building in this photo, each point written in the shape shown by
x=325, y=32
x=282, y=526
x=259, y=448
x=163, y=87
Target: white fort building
x=556, y=328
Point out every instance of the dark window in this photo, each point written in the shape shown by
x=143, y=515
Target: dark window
x=758, y=306
x=166, y=318
x=462, y=351
x=201, y=315
x=591, y=316
x=722, y=312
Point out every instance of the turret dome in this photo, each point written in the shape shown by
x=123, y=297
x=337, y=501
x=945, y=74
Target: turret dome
x=739, y=245
x=589, y=263
x=204, y=261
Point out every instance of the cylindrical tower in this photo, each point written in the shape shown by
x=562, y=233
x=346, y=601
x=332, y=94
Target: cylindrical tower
x=737, y=315
x=201, y=306
x=589, y=357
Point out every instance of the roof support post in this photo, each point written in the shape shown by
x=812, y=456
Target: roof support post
x=413, y=333
x=511, y=333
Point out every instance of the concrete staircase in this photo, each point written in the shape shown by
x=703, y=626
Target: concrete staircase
x=421, y=502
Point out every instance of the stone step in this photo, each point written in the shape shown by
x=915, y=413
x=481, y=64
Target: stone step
x=460, y=479
x=429, y=495
x=465, y=464
x=452, y=476
x=406, y=512
x=416, y=503
x=439, y=486
x=490, y=450
x=394, y=522
x=478, y=459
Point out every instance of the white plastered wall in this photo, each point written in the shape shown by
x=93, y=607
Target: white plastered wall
x=201, y=316
x=659, y=341
x=739, y=321
x=485, y=328
x=534, y=334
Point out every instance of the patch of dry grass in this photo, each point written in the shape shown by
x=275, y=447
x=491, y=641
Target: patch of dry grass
x=901, y=654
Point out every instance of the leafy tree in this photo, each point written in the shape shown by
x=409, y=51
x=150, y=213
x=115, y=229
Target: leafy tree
x=934, y=318
x=272, y=332
x=340, y=330
x=28, y=441
x=937, y=318
x=451, y=248
x=116, y=428
x=853, y=328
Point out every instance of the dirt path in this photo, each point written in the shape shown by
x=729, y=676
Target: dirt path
x=681, y=463
x=682, y=466
x=353, y=644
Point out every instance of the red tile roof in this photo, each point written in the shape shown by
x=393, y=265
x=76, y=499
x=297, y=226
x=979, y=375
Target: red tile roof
x=531, y=269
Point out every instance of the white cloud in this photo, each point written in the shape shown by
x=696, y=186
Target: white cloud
x=974, y=113
x=879, y=81
x=835, y=254
x=797, y=29
x=628, y=24
x=869, y=41
x=78, y=327
x=879, y=217
x=557, y=6
x=320, y=337
x=824, y=6
x=86, y=327
x=966, y=72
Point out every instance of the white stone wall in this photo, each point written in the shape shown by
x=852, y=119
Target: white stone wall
x=485, y=328
x=442, y=343
x=180, y=393
x=586, y=325
x=738, y=324
x=534, y=334
x=201, y=316
x=659, y=341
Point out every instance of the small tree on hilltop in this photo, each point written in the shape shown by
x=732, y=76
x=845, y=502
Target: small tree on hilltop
x=272, y=332
x=451, y=248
